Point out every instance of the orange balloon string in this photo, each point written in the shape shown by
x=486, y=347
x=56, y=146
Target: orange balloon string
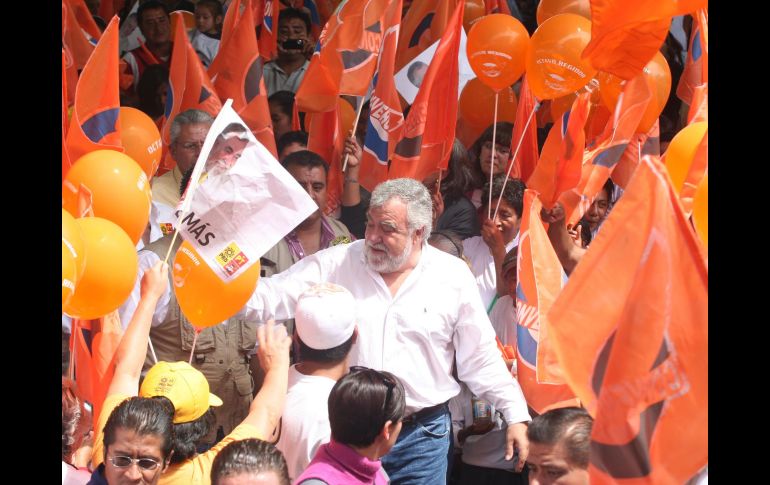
x=195, y=340
x=492, y=165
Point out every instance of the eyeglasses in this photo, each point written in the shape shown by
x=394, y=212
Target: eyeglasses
x=191, y=145
x=127, y=461
x=385, y=380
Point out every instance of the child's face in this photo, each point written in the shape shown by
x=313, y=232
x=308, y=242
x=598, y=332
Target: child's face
x=205, y=20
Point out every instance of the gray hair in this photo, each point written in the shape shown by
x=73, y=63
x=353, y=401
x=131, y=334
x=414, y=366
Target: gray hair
x=188, y=117
x=419, y=206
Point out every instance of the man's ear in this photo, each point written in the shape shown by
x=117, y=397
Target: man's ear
x=167, y=461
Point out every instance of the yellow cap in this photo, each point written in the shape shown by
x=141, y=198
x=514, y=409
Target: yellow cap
x=185, y=386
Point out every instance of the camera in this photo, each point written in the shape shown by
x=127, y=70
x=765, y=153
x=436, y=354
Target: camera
x=293, y=44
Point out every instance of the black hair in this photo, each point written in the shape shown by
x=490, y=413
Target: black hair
x=513, y=193
x=144, y=416
x=305, y=158
x=150, y=5
x=293, y=13
x=570, y=426
x=215, y=6
x=149, y=102
x=449, y=242
x=361, y=403
x=331, y=356
x=413, y=68
x=284, y=100
x=187, y=435
x=300, y=137
x=503, y=137
x=585, y=229
x=459, y=179
x=249, y=456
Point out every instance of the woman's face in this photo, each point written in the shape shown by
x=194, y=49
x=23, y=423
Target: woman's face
x=502, y=154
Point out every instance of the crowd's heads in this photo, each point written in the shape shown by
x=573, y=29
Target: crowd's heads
x=481, y=151
x=208, y=16
x=366, y=406
x=74, y=420
x=447, y=241
x=152, y=90
x=187, y=134
x=325, y=319
x=290, y=142
x=510, y=270
x=399, y=220
x=559, y=447
x=459, y=178
x=598, y=211
x=511, y=198
x=228, y=147
x=153, y=20
x=246, y=461
x=138, y=441
x=293, y=24
x=309, y=170
x=281, y=106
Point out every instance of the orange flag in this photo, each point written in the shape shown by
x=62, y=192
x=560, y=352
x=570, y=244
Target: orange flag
x=268, y=34
x=65, y=157
x=84, y=18
x=639, y=146
x=698, y=169
x=601, y=160
x=496, y=6
x=386, y=121
x=325, y=138
x=427, y=140
x=623, y=39
x=189, y=87
x=74, y=41
x=230, y=21
x=560, y=164
x=346, y=62
x=423, y=24
x=699, y=109
x=95, y=123
x=696, y=65
x=526, y=160
x=539, y=283
x=631, y=332
x=237, y=74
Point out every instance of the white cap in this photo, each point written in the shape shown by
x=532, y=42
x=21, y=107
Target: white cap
x=325, y=316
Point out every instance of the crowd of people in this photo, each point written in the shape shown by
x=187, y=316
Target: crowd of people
x=331, y=373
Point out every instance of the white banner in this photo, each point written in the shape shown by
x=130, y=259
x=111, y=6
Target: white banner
x=240, y=200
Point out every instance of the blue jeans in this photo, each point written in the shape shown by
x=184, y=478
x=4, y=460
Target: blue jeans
x=419, y=457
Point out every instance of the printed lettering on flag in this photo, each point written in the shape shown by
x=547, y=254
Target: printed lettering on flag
x=240, y=201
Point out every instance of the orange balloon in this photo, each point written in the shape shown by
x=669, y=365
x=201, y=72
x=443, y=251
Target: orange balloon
x=681, y=151
x=474, y=10
x=497, y=47
x=72, y=239
x=187, y=17
x=657, y=74
x=477, y=105
x=120, y=189
x=141, y=139
x=548, y=8
x=68, y=274
x=700, y=210
x=555, y=67
x=111, y=271
x=204, y=298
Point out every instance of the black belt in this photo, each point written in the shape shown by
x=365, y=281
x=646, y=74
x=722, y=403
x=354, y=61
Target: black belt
x=426, y=413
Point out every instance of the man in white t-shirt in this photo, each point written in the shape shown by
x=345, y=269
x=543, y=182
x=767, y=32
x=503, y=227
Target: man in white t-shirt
x=325, y=332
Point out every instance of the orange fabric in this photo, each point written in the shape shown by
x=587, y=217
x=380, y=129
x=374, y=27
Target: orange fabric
x=631, y=332
x=106, y=339
x=695, y=71
x=599, y=161
x=237, y=73
x=423, y=24
x=268, y=35
x=230, y=21
x=386, y=121
x=526, y=159
x=84, y=18
x=95, y=122
x=623, y=40
x=560, y=163
x=326, y=139
x=189, y=87
x=496, y=6
x=539, y=283
x=345, y=65
x=429, y=131
x=699, y=109
x=698, y=169
x=108, y=8
x=65, y=157
x=639, y=146
x=73, y=40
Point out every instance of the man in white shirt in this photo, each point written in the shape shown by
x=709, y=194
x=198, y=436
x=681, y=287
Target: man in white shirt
x=325, y=331
x=418, y=311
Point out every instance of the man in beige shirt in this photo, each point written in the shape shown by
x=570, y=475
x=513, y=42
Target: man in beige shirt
x=188, y=132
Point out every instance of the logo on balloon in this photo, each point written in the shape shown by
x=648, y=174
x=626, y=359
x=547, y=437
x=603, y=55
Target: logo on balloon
x=490, y=69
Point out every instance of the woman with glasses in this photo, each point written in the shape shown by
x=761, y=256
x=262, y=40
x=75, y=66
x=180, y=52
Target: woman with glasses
x=366, y=408
x=482, y=158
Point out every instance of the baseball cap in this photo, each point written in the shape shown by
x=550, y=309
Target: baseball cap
x=325, y=316
x=185, y=386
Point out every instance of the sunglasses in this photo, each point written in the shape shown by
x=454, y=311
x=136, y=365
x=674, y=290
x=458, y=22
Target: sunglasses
x=385, y=380
x=127, y=461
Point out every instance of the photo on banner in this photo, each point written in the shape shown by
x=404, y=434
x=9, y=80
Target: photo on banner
x=409, y=79
x=240, y=201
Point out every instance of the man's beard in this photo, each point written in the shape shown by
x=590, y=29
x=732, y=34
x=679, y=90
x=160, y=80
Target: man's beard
x=384, y=262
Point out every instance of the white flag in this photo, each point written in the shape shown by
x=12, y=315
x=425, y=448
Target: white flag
x=240, y=201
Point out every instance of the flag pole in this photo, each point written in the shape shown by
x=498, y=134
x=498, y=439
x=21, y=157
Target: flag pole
x=352, y=131
x=492, y=161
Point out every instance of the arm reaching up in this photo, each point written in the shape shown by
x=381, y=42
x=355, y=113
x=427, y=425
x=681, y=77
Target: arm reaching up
x=568, y=252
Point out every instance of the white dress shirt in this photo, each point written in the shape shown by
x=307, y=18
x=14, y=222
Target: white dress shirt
x=435, y=317
x=483, y=265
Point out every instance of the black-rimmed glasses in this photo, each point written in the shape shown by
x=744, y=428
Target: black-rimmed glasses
x=126, y=461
